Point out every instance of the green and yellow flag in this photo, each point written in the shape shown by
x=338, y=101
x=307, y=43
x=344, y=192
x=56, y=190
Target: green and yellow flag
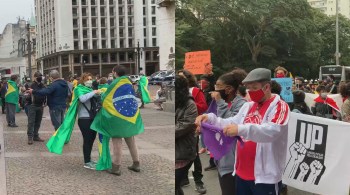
x=64, y=132
x=144, y=90
x=103, y=87
x=12, y=94
x=119, y=117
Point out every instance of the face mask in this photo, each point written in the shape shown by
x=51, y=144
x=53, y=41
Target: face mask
x=39, y=79
x=204, y=84
x=280, y=75
x=323, y=95
x=223, y=94
x=88, y=83
x=257, y=95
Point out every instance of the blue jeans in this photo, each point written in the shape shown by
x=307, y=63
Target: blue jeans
x=57, y=116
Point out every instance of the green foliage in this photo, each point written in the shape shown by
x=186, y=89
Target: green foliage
x=260, y=33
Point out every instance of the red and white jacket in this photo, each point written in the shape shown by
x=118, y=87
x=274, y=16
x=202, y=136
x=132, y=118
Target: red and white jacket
x=271, y=137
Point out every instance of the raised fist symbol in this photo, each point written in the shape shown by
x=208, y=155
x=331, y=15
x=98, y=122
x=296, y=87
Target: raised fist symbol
x=316, y=167
x=304, y=168
x=297, y=151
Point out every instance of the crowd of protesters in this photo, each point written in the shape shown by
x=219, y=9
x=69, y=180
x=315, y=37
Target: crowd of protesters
x=248, y=105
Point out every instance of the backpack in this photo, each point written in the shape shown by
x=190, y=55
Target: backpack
x=96, y=105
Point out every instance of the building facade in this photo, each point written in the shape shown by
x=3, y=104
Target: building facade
x=328, y=6
x=75, y=36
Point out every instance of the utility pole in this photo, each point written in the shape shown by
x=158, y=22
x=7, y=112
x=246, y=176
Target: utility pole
x=138, y=60
x=29, y=52
x=337, y=54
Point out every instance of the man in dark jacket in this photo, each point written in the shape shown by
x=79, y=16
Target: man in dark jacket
x=35, y=105
x=56, y=94
x=3, y=93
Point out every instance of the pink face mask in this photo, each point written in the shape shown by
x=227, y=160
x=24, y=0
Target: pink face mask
x=257, y=95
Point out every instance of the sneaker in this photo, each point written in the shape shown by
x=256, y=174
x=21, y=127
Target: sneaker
x=185, y=182
x=210, y=167
x=89, y=165
x=94, y=163
x=201, y=151
x=38, y=139
x=135, y=166
x=201, y=189
x=30, y=141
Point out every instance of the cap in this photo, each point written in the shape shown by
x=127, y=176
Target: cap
x=37, y=74
x=258, y=74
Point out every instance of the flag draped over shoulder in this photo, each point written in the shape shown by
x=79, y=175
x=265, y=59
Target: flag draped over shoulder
x=144, y=90
x=103, y=87
x=119, y=117
x=64, y=132
x=217, y=143
x=12, y=94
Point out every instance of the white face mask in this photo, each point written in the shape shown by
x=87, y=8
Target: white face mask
x=88, y=83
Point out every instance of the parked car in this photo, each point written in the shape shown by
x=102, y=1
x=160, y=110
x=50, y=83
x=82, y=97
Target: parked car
x=134, y=78
x=169, y=77
x=155, y=77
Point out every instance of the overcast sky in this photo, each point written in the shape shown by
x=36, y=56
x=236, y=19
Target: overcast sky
x=11, y=9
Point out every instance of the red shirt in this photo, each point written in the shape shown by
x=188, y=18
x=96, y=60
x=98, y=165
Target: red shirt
x=200, y=101
x=246, y=154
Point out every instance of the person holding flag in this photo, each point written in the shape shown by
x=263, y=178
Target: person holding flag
x=11, y=101
x=143, y=91
x=82, y=105
x=118, y=118
x=263, y=125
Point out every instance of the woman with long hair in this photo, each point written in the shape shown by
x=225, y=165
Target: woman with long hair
x=87, y=102
x=185, y=141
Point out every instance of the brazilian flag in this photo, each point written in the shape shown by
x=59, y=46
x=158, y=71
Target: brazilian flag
x=64, y=132
x=103, y=87
x=143, y=83
x=119, y=117
x=12, y=94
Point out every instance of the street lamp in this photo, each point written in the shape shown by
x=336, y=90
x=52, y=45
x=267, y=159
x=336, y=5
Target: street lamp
x=29, y=49
x=138, y=52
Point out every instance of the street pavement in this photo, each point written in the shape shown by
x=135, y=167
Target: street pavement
x=32, y=170
x=211, y=182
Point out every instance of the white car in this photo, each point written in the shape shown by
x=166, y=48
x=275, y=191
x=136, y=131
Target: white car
x=134, y=78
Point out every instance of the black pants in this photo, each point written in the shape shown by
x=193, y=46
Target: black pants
x=246, y=187
x=10, y=113
x=35, y=115
x=227, y=184
x=89, y=136
x=180, y=174
x=3, y=105
x=197, y=173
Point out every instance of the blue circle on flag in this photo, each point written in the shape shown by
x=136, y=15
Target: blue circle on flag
x=127, y=104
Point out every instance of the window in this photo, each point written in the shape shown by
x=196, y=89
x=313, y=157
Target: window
x=112, y=46
x=111, y=2
x=144, y=21
x=130, y=1
x=83, y=12
x=122, y=56
x=130, y=21
x=130, y=43
x=155, y=55
x=103, y=22
x=112, y=32
x=104, y=44
x=104, y=57
x=95, y=58
x=121, y=21
x=153, y=10
x=94, y=44
x=75, y=12
x=93, y=2
x=93, y=11
x=120, y=2
x=111, y=11
x=85, y=34
x=113, y=55
x=153, y=1
x=121, y=43
x=102, y=11
x=144, y=32
x=144, y=43
x=75, y=23
x=144, y=11
x=130, y=10
x=154, y=42
x=103, y=33
x=121, y=32
x=121, y=11
x=83, y=2
x=130, y=34
x=111, y=21
x=153, y=20
x=93, y=22
x=76, y=34
x=144, y=2
x=94, y=33
x=77, y=58
x=148, y=56
x=76, y=45
x=85, y=23
x=74, y=2
x=154, y=31
x=85, y=45
x=102, y=2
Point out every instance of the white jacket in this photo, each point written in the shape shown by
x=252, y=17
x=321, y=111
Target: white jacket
x=271, y=137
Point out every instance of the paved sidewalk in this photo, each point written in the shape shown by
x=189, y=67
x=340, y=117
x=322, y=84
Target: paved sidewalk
x=32, y=170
